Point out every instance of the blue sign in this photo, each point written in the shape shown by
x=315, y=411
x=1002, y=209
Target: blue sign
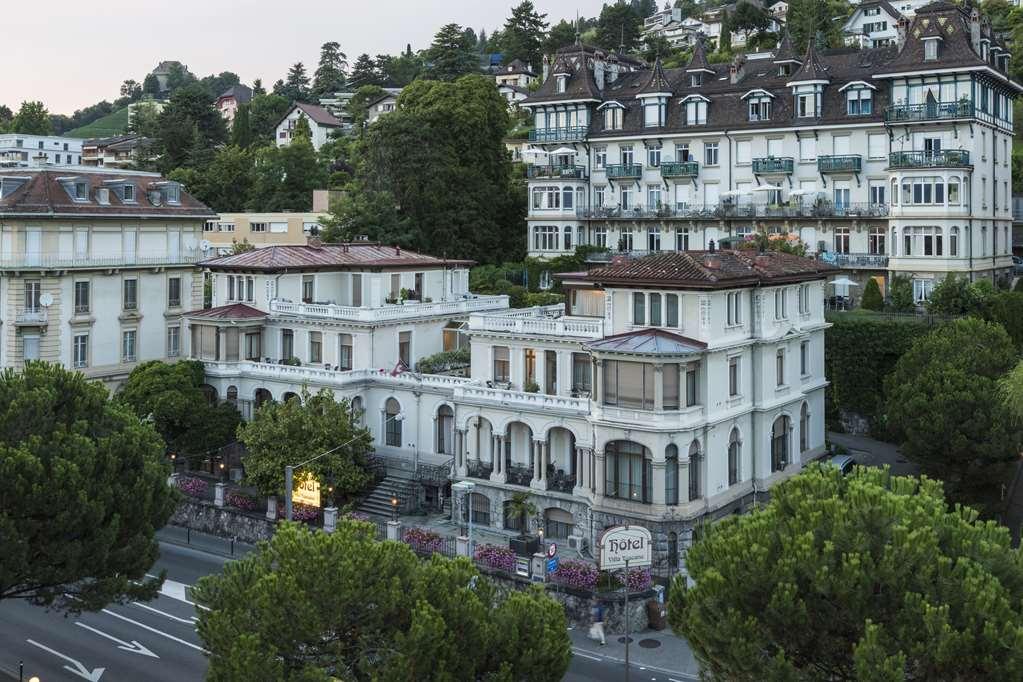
x=552, y=565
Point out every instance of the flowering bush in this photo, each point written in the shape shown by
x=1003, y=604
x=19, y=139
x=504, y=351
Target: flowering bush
x=357, y=516
x=193, y=487
x=299, y=512
x=581, y=575
x=242, y=501
x=423, y=541
x=495, y=556
x=640, y=579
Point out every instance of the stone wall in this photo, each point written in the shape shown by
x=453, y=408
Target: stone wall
x=203, y=516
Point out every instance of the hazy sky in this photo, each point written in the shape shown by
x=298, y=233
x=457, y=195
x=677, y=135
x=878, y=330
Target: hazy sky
x=71, y=54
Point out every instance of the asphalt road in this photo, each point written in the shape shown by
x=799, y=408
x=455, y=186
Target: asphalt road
x=157, y=641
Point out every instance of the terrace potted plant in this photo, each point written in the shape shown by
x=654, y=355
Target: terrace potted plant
x=520, y=506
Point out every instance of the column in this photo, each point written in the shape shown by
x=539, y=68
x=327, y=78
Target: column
x=658, y=387
x=460, y=459
x=598, y=473
x=658, y=483
x=537, y=483
x=683, y=483
x=541, y=369
x=580, y=482
x=597, y=391
x=545, y=460
x=495, y=449
x=564, y=372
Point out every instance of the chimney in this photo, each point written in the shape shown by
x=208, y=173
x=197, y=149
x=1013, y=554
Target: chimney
x=762, y=260
x=712, y=262
x=397, y=250
x=314, y=243
x=902, y=28
x=975, y=29
x=599, y=69
x=737, y=69
x=612, y=67
x=546, y=67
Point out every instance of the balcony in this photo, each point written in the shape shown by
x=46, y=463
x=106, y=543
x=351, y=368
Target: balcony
x=390, y=312
x=946, y=158
x=30, y=317
x=846, y=163
x=855, y=261
x=473, y=393
x=734, y=209
x=623, y=171
x=680, y=169
x=936, y=111
x=69, y=262
x=772, y=164
x=478, y=469
x=292, y=375
x=569, y=134
x=539, y=321
x=556, y=172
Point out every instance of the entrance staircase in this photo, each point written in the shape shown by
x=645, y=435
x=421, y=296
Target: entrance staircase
x=378, y=503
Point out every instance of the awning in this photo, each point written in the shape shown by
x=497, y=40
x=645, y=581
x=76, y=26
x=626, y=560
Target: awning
x=766, y=188
x=843, y=281
x=563, y=150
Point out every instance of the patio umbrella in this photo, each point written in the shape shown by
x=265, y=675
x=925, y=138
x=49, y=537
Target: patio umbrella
x=533, y=153
x=801, y=192
x=563, y=150
x=843, y=281
x=767, y=188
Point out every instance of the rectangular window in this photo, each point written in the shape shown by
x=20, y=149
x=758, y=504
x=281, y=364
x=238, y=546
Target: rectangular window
x=315, y=347
x=174, y=292
x=804, y=358
x=743, y=151
x=629, y=384
x=653, y=157
x=671, y=310
x=81, y=298
x=130, y=296
x=173, y=341
x=258, y=227
x=345, y=352
x=638, y=308
x=307, y=288
x=600, y=157
x=502, y=364
x=287, y=344
x=128, y=345
x=581, y=374
x=529, y=366
x=253, y=347
x=670, y=381
x=779, y=367
x=31, y=347
x=876, y=144
x=733, y=377
x=655, y=310
x=807, y=149
x=691, y=393
x=81, y=351
x=405, y=348
x=710, y=154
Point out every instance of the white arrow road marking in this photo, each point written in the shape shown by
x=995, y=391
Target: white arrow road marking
x=154, y=630
x=186, y=621
x=79, y=669
x=133, y=646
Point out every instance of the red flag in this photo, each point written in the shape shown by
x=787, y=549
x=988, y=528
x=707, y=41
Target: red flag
x=399, y=368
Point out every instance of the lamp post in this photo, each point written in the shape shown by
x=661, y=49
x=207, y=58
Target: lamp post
x=289, y=471
x=466, y=487
x=394, y=508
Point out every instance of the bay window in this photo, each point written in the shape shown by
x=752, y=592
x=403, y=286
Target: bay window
x=922, y=240
x=629, y=384
x=628, y=471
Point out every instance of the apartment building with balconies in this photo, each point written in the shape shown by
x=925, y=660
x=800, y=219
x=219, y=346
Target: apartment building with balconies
x=668, y=390
x=98, y=267
x=885, y=160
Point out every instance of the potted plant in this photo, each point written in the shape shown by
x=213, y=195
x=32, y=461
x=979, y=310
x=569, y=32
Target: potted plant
x=531, y=387
x=520, y=506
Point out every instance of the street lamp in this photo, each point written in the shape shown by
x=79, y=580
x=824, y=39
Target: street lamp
x=466, y=487
x=394, y=508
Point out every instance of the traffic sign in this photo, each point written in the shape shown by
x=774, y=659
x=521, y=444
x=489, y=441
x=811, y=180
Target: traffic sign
x=552, y=565
x=552, y=549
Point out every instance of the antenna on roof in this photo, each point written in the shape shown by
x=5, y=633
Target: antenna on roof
x=578, y=38
x=621, y=45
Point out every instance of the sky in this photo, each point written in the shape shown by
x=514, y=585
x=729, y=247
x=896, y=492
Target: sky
x=70, y=54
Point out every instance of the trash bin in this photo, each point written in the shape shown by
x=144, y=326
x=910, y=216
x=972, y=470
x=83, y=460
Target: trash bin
x=656, y=615
x=659, y=591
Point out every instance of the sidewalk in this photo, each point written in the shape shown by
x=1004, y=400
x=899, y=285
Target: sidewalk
x=204, y=542
x=659, y=650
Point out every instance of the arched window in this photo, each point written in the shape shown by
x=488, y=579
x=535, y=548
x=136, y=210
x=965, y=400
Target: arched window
x=780, y=443
x=232, y=395
x=479, y=504
x=953, y=241
x=357, y=410
x=262, y=397
x=392, y=423
x=673, y=550
x=671, y=474
x=695, y=470
x=804, y=428
x=734, y=452
x=627, y=471
x=445, y=430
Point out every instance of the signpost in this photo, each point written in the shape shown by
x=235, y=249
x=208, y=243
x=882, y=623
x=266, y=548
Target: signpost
x=308, y=492
x=624, y=547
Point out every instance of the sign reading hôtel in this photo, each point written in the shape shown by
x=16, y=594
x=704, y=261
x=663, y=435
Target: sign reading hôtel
x=307, y=492
x=621, y=544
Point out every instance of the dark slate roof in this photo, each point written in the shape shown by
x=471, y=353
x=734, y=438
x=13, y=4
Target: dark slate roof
x=698, y=60
x=656, y=81
x=721, y=269
x=784, y=52
x=952, y=24
x=234, y=311
x=813, y=69
x=43, y=194
x=516, y=67
x=650, y=341
x=580, y=85
x=328, y=257
x=241, y=94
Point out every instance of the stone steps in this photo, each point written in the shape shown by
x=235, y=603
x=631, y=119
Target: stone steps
x=378, y=502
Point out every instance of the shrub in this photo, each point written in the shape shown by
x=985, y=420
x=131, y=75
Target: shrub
x=496, y=556
x=443, y=362
x=193, y=487
x=423, y=541
x=639, y=579
x=242, y=501
x=580, y=575
x=872, y=299
x=900, y=293
x=1019, y=285
x=299, y=511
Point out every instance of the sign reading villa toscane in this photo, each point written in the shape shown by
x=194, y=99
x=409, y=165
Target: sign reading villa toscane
x=621, y=544
x=307, y=492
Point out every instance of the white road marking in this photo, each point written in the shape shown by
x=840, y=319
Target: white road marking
x=154, y=630
x=178, y=591
x=186, y=621
x=577, y=652
x=133, y=646
x=79, y=669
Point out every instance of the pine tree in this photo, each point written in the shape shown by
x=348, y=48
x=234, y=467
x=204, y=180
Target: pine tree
x=330, y=73
x=451, y=55
x=872, y=299
x=523, y=34
x=296, y=87
x=257, y=87
x=241, y=130
x=364, y=72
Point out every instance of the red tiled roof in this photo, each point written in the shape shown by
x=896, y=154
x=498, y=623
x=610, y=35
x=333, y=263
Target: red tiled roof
x=234, y=311
x=305, y=257
x=710, y=269
x=43, y=194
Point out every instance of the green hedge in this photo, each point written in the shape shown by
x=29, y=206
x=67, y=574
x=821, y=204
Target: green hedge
x=444, y=361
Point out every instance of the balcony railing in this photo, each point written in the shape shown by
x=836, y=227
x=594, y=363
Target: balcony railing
x=936, y=111
x=855, y=260
x=478, y=469
x=846, y=163
x=545, y=321
x=946, y=158
x=772, y=164
x=30, y=317
x=820, y=209
x=561, y=172
x=48, y=261
x=680, y=169
x=624, y=170
x=389, y=312
x=569, y=134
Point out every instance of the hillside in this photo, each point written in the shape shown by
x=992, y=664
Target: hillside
x=112, y=124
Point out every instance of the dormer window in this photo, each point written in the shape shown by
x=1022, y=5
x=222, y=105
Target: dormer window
x=808, y=101
x=696, y=110
x=931, y=49
x=562, y=83
x=613, y=118
x=696, y=79
x=859, y=102
x=654, y=112
x=103, y=196
x=784, y=69
x=128, y=192
x=81, y=191
x=759, y=108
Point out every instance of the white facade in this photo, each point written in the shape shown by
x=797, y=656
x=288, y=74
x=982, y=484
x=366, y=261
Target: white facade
x=20, y=150
x=322, y=130
x=872, y=24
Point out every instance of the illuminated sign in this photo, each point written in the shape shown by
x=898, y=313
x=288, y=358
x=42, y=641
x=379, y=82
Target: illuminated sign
x=622, y=544
x=307, y=492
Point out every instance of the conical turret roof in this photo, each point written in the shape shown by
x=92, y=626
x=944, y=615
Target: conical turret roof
x=656, y=82
x=813, y=68
x=698, y=62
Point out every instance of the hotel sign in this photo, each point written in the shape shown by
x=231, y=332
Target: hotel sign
x=621, y=545
x=307, y=492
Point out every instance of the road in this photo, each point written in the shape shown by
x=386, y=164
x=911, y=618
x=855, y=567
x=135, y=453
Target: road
x=156, y=641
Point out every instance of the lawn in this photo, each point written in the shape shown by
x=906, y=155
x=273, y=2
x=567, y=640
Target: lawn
x=112, y=124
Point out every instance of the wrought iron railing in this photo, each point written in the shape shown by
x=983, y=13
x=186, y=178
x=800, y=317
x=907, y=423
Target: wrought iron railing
x=680, y=169
x=478, y=469
x=733, y=209
x=946, y=158
x=772, y=164
x=519, y=475
x=567, y=134
x=933, y=111
x=553, y=171
x=842, y=163
x=624, y=170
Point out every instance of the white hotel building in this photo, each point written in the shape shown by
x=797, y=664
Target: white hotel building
x=672, y=389
x=887, y=160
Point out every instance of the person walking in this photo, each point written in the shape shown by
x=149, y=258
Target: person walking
x=597, y=629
